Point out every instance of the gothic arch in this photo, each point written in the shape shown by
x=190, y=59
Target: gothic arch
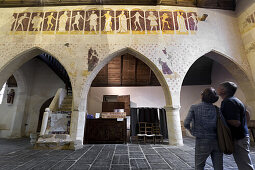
x=242, y=77
x=154, y=68
x=19, y=59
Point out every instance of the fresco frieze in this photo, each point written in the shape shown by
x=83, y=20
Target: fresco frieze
x=49, y=23
x=122, y=21
x=152, y=21
x=92, y=21
x=137, y=21
x=167, y=21
x=106, y=21
x=77, y=21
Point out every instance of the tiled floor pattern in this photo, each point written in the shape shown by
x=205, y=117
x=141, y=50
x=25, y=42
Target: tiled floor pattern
x=17, y=154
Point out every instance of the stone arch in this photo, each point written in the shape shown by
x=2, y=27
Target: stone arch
x=242, y=76
x=11, y=67
x=19, y=59
x=148, y=62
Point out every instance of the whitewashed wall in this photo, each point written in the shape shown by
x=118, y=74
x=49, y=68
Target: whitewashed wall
x=41, y=84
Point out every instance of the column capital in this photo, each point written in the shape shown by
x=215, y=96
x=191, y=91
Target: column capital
x=172, y=108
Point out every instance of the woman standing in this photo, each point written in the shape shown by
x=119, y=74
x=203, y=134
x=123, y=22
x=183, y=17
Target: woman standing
x=203, y=118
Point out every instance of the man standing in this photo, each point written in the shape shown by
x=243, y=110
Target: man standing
x=234, y=113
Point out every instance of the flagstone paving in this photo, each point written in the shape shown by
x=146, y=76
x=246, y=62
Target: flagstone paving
x=18, y=154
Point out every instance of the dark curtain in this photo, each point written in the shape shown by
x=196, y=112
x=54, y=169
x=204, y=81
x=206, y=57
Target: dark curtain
x=145, y=114
x=133, y=121
x=163, y=123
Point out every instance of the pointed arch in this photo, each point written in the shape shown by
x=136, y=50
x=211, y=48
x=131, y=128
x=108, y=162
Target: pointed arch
x=148, y=62
x=19, y=59
x=242, y=76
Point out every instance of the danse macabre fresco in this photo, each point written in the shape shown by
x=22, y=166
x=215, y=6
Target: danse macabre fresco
x=192, y=19
x=21, y=22
x=77, y=20
x=36, y=22
x=167, y=21
x=108, y=21
x=122, y=21
x=50, y=20
x=137, y=21
x=63, y=21
x=152, y=21
x=181, y=24
x=92, y=21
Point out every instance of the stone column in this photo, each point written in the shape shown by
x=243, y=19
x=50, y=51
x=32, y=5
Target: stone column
x=77, y=128
x=44, y=121
x=251, y=105
x=174, y=125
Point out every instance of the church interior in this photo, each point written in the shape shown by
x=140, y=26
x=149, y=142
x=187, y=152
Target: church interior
x=74, y=74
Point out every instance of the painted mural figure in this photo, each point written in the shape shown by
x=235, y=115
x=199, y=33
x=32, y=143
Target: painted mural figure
x=92, y=59
x=13, y=20
x=195, y=20
x=20, y=21
x=165, y=68
x=62, y=21
x=181, y=22
x=108, y=22
x=123, y=22
x=49, y=22
x=164, y=21
x=137, y=22
x=77, y=18
x=153, y=21
x=93, y=21
x=37, y=21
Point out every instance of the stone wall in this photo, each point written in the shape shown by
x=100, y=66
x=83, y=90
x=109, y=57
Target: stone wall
x=169, y=51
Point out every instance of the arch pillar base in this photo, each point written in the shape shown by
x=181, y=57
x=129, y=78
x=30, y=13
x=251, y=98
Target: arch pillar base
x=77, y=127
x=174, y=125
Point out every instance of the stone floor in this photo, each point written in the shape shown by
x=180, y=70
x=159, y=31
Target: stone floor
x=17, y=154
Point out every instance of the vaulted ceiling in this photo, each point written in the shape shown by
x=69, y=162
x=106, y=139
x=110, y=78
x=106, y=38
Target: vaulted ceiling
x=216, y=4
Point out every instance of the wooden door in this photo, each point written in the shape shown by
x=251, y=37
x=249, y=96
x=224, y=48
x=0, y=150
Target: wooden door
x=126, y=100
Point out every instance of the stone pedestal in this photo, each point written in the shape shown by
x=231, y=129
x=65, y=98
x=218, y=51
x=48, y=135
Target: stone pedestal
x=174, y=126
x=77, y=127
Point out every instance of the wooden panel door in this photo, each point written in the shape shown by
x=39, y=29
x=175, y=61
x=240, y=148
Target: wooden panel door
x=126, y=99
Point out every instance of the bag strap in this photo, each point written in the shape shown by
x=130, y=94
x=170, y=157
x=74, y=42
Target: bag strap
x=217, y=111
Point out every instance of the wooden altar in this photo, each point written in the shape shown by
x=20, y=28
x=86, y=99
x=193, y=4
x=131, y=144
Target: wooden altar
x=105, y=131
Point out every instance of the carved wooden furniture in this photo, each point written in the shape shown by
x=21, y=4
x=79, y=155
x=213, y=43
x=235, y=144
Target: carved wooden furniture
x=105, y=131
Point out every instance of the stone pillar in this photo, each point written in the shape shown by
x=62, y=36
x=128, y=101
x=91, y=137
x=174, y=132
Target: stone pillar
x=251, y=106
x=174, y=125
x=44, y=121
x=77, y=128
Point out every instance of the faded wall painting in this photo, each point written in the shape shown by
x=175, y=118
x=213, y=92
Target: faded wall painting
x=137, y=21
x=63, y=23
x=77, y=21
x=152, y=21
x=192, y=20
x=49, y=22
x=122, y=22
x=22, y=21
x=36, y=22
x=181, y=24
x=106, y=21
x=92, y=59
x=92, y=21
x=167, y=21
